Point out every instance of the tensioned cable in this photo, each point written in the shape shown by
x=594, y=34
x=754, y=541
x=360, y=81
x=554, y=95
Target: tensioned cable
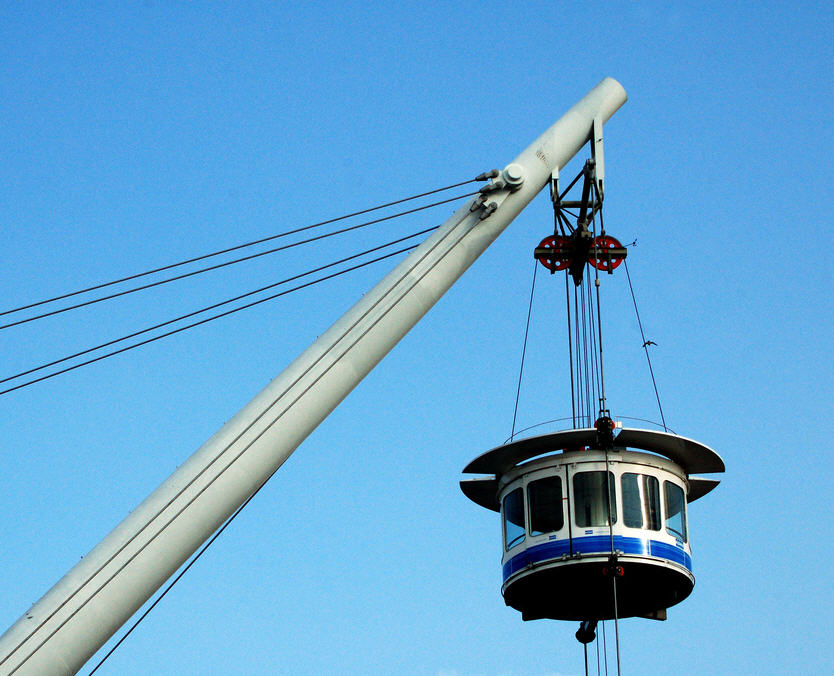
x=577, y=353
x=210, y=307
x=585, y=645
x=645, y=347
x=608, y=478
x=570, y=351
x=228, y=521
x=524, y=348
x=209, y=319
x=243, y=246
x=555, y=420
x=248, y=427
x=228, y=263
x=228, y=446
x=593, y=345
x=612, y=573
x=586, y=355
x=604, y=649
x=584, y=352
x=175, y=580
x=171, y=584
x=591, y=354
x=600, y=371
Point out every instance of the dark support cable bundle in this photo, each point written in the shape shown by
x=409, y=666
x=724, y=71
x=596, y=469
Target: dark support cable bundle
x=155, y=327
x=247, y=244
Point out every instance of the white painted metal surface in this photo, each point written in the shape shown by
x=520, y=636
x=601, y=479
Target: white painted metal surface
x=77, y=616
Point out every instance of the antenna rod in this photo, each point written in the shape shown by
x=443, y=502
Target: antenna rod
x=88, y=605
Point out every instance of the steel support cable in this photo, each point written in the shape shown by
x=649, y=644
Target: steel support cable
x=564, y=224
x=205, y=309
x=174, y=581
x=231, y=443
x=578, y=354
x=208, y=319
x=580, y=405
x=538, y=424
x=590, y=390
x=179, y=576
x=599, y=392
x=185, y=275
x=524, y=348
x=645, y=346
x=616, y=625
x=604, y=649
x=586, y=348
x=585, y=646
x=598, y=197
x=572, y=183
x=570, y=363
x=593, y=350
x=239, y=246
x=588, y=354
x=613, y=558
x=600, y=371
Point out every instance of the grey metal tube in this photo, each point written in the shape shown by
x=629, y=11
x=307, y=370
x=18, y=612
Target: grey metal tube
x=88, y=605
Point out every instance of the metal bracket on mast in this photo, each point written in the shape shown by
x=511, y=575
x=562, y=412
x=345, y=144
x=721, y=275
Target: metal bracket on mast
x=571, y=247
x=505, y=182
x=598, y=156
x=556, y=198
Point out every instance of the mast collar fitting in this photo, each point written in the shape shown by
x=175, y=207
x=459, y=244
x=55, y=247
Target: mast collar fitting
x=513, y=176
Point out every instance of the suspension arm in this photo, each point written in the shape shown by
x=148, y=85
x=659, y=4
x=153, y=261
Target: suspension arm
x=88, y=605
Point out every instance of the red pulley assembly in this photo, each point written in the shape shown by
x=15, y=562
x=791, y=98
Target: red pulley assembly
x=554, y=252
x=606, y=253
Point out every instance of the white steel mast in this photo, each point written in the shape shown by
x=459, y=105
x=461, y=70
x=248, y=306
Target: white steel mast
x=58, y=634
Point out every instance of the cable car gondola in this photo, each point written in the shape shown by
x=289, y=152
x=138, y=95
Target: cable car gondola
x=555, y=493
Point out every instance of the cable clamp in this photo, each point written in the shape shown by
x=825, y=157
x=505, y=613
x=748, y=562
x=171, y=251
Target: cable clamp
x=488, y=210
x=493, y=173
x=605, y=427
x=587, y=631
x=492, y=187
x=613, y=569
x=478, y=203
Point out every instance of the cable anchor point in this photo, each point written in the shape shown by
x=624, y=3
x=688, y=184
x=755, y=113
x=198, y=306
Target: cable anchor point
x=613, y=567
x=605, y=427
x=587, y=631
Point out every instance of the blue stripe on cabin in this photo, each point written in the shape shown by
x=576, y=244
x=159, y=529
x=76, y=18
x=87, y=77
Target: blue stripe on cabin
x=597, y=544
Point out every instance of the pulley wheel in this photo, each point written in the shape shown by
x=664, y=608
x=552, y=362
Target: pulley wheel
x=597, y=257
x=559, y=252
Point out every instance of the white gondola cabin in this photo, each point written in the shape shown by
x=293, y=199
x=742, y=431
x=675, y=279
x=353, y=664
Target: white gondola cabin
x=556, y=492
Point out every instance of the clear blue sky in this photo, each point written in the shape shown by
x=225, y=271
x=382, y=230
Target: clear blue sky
x=137, y=134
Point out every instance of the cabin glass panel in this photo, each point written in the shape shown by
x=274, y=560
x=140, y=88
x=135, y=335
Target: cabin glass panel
x=544, y=496
x=675, y=510
x=641, y=501
x=589, y=499
x=513, y=518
